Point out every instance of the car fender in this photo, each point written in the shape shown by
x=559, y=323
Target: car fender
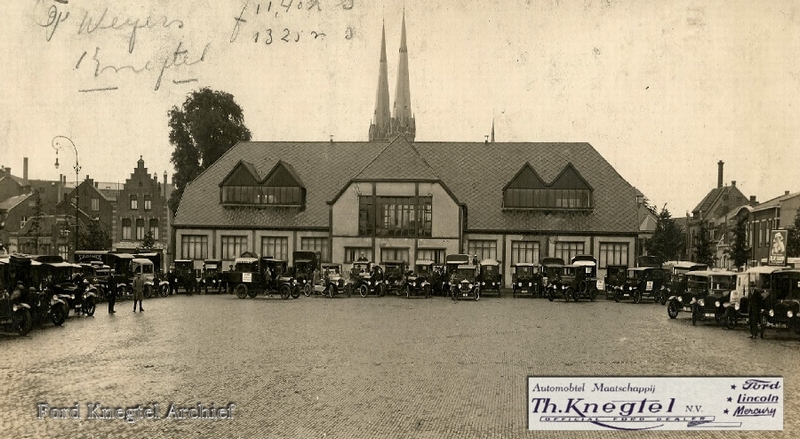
x=675, y=298
x=20, y=305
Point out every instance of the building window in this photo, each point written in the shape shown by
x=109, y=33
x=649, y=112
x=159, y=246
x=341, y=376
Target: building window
x=154, y=229
x=431, y=254
x=148, y=202
x=524, y=252
x=194, y=246
x=275, y=195
x=483, y=249
x=126, y=228
x=548, y=198
x=394, y=254
x=63, y=251
x=613, y=254
x=23, y=219
x=134, y=202
x=275, y=246
x=95, y=204
x=319, y=245
x=233, y=246
x=139, y=229
x=568, y=250
x=395, y=216
x=352, y=254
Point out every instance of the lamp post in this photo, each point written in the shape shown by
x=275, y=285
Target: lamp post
x=62, y=142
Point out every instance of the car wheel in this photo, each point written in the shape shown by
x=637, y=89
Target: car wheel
x=148, y=291
x=308, y=290
x=89, y=306
x=252, y=293
x=427, y=291
x=663, y=298
x=285, y=291
x=550, y=294
x=593, y=295
x=673, y=309
x=24, y=321
x=381, y=289
x=576, y=294
x=348, y=290
x=477, y=294
x=730, y=318
x=241, y=291
x=637, y=297
x=363, y=290
x=163, y=291
x=295, y=292
x=57, y=315
x=617, y=296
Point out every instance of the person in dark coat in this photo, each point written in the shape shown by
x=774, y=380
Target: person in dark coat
x=112, y=293
x=173, y=281
x=754, y=309
x=138, y=291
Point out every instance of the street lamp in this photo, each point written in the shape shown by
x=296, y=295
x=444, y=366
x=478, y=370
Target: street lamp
x=60, y=142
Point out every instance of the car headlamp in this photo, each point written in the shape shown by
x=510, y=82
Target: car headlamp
x=519, y=284
x=736, y=307
x=716, y=303
x=369, y=283
x=530, y=284
x=701, y=302
x=772, y=313
x=483, y=283
x=680, y=299
x=470, y=285
x=789, y=314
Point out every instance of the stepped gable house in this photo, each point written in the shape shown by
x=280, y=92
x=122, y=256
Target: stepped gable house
x=395, y=198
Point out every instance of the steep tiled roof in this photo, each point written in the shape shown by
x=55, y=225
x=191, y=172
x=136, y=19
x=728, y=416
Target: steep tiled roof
x=775, y=202
x=715, y=194
x=10, y=203
x=475, y=173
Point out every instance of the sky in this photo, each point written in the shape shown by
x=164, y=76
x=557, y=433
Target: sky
x=663, y=90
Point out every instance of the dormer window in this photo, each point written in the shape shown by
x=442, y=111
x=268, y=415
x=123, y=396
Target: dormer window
x=281, y=187
x=528, y=191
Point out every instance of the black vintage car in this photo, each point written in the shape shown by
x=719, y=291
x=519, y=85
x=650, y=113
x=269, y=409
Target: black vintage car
x=331, y=282
x=212, y=275
x=367, y=278
x=451, y=264
x=65, y=280
x=782, y=305
x=40, y=305
x=614, y=280
x=490, y=277
x=526, y=279
x=676, y=285
x=585, y=281
x=186, y=276
x=463, y=283
x=756, y=280
x=305, y=262
x=418, y=282
x=706, y=291
x=643, y=283
x=254, y=276
x=15, y=315
x=395, y=276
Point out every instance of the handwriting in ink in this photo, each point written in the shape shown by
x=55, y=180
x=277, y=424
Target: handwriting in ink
x=91, y=24
x=54, y=18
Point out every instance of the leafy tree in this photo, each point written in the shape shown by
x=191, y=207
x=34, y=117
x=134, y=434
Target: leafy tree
x=207, y=125
x=94, y=237
x=740, y=251
x=148, y=243
x=667, y=241
x=793, y=241
x=704, y=253
x=36, y=221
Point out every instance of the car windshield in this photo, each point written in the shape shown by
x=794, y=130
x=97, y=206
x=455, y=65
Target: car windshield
x=466, y=274
x=636, y=274
x=424, y=269
x=361, y=267
x=491, y=269
x=697, y=284
x=246, y=267
x=525, y=270
x=787, y=286
x=722, y=282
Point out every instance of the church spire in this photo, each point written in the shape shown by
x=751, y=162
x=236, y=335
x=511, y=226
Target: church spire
x=381, y=122
x=403, y=119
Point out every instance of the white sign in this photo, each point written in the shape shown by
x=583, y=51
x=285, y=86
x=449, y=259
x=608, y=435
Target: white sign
x=247, y=277
x=655, y=403
x=601, y=284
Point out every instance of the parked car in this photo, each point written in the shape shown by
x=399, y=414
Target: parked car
x=551, y=269
x=332, y=281
x=782, y=305
x=418, y=282
x=98, y=274
x=153, y=284
x=14, y=315
x=489, y=276
x=755, y=280
x=186, y=277
x=463, y=283
x=706, y=291
x=212, y=271
x=42, y=305
x=643, y=283
x=395, y=276
x=65, y=280
x=585, y=281
x=526, y=279
x=367, y=278
x=254, y=276
x=614, y=281
x=676, y=285
x=451, y=264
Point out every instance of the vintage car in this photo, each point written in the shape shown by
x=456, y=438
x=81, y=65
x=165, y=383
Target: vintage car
x=98, y=274
x=42, y=304
x=254, y=276
x=585, y=281
x=463, y=284
x=367, y=278
x=122, y=273
x=489, y=276
x=212, y=275
x=15, y=315
x=65, y=280
x=451, y=264
x=153, y=283
x=186, y=276
x=781, y=307
x=305, y=262
x=551, y=268
x=755, y=280
x=418, y=282
x=395, y=276
x=332, y=281
x=676, y=285
x=614, y=280
x=706, y=291
x=526, y=279
x=643, y=283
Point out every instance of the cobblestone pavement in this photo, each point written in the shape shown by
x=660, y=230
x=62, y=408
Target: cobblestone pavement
x=359, y=367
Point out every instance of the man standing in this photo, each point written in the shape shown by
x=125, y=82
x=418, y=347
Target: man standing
x=138, y=291
x=112, y=293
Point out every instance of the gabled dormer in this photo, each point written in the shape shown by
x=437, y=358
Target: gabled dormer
x=241, y=185
x=568, y=191
x=283, y=187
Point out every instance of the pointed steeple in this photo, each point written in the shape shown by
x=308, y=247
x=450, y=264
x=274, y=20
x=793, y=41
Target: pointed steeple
x=381, y=122
x=492, y=130
x=403, y=119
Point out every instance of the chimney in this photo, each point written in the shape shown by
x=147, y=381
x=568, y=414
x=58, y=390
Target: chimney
x=719, y=173
x=786, y=193
x=733, y=183
x=95, y=185
x=25, y=168
x=753, y=201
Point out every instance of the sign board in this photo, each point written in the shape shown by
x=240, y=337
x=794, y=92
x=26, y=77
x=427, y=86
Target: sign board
x=655, y=403
x=247, y=277
x=777, y=247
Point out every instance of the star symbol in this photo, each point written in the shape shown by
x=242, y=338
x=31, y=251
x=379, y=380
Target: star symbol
x=730, y=399
x=725, y=411
x=733, y=387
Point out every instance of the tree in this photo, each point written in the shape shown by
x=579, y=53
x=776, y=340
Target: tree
x=207, y=125
x=793, y=241
x=95, y=237
x=740, y=251
x=148, y=243
x=704, y=254
x=36, y=220
x=667, y=241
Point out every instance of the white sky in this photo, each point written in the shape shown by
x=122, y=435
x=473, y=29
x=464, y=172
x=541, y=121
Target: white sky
x=663, y=90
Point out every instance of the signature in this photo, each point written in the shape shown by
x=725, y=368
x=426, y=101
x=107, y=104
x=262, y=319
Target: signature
x=91, y=23
x=178, y=58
